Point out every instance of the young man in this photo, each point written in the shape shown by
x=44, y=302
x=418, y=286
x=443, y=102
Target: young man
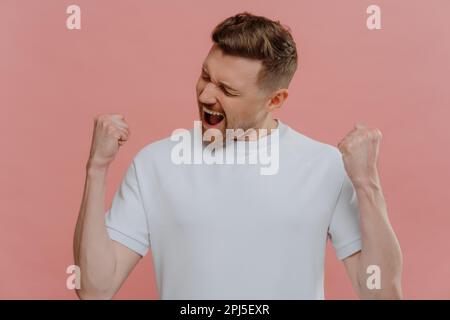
x=221, y=231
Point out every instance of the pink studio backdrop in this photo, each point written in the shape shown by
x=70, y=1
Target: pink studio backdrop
x=142, y=58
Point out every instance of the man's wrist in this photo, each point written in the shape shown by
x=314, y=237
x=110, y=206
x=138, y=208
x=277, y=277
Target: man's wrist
x=366, y=184
x=368, y=187
x=95, y=168
x=369, y=180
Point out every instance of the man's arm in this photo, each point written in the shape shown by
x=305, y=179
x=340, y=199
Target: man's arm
x=380, y=246
x=104, y=263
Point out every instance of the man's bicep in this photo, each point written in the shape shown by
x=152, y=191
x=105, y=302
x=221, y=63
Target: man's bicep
x=126, y=260
x=352, y=266
x=344, y=229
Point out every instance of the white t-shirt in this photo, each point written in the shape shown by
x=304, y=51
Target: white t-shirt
x=224, y=231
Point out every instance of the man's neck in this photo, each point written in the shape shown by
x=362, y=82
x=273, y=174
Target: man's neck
x=264, y=129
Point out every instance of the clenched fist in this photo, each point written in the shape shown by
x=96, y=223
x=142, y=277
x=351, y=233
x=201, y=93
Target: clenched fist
x=359, y=150
x=110, y=132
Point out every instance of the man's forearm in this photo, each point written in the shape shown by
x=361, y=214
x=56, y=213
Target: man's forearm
x=380, y=246
x=93, y=250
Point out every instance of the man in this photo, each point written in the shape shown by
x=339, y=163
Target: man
x=226, y=231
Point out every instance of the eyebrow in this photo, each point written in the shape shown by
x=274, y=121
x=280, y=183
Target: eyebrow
x=227, y=86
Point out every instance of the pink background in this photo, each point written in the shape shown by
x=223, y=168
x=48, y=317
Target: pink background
x=142, y=58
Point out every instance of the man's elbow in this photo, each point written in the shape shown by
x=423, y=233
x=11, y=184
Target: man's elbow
x=387, y=292
x=394, y=292
x=93, y=295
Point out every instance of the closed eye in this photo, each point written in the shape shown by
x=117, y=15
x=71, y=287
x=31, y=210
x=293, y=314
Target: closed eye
x=227, y=93
x=224, y=90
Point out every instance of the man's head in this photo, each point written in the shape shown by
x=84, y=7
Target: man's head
x=246, y=73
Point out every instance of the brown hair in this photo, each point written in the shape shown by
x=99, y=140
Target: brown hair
x=256, y=37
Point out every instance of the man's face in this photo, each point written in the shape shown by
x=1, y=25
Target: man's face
x=227, y=92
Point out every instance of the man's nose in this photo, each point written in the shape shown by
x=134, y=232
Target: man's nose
x=208, y=94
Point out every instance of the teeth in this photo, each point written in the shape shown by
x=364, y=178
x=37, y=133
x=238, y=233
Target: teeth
x=213, y=112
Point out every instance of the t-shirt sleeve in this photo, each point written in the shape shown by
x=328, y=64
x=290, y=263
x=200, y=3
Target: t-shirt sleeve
x=126, y=220
x=344, y=228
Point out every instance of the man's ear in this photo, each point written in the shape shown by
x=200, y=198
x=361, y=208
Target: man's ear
x=277, y=99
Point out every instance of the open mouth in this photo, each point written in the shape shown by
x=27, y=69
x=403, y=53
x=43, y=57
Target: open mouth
x=212, y=118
